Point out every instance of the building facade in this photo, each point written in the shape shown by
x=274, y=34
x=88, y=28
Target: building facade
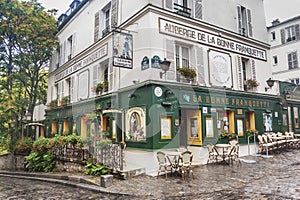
x=109, y=74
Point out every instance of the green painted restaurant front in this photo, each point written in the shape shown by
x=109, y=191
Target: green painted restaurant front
x=155, y=115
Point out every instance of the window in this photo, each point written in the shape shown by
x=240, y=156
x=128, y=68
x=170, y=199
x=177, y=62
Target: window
x=182, y=56
x=293, y=60
x=185, y=7
x=106, y=16
x=244, y=21
x=275, y=60
x=296, y=117
x=273, y=36
x=295, y=81
x=290, y=33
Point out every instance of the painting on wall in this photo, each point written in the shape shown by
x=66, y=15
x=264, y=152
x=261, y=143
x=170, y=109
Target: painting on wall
x=135, y=125
x=267, y=122
x=122, y=50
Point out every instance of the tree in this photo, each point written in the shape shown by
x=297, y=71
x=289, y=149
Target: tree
x=27, y=36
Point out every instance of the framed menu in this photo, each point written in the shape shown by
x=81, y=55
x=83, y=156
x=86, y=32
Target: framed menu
x=209, y=128
x=166, y=127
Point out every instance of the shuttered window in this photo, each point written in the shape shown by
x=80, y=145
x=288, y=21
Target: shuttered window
x=244, y=22
x=290, y=33
x=293, y=60
x=198, y=9
x=96, y=27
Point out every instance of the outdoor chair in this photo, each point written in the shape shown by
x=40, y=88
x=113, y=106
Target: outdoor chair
x=233, y=153
x=213, y=154
x=263, y=145
x=293, y=141
x=185, y=164
x=164, y=166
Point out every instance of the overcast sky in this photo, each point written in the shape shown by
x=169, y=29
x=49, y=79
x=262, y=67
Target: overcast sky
x=281, y=9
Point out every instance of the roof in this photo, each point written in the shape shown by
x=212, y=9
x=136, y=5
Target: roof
x=284, y=22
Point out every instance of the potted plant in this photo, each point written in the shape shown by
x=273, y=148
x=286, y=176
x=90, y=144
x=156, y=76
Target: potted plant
x=252, y=83
x=187, y=72
x=105, y=85
x=251, y=133
x=99, y=88
x=65, y=100
x=53, y=103
x=225, y=134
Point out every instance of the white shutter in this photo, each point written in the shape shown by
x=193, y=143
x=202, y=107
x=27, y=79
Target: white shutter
x=239, y=19
x=110, y=76
x=169, y=4
x=114, y=13
x=74, y=45
x=297, y=30
x=282, y=32
x=198, y=9
x=61, y=54
x=72, y=89
x=169, y=46
x=200, y=65
x=64, y=52
x=239, y=73
x=249, y=20
x=253, y=69
x=96, y=26
x=95, y=77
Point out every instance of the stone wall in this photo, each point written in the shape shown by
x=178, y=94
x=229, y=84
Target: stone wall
x=70, y=166
x=6, y=161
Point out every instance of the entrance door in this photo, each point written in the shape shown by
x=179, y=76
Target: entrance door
x=194, y=127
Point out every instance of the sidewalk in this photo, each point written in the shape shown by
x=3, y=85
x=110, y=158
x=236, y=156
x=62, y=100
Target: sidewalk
x=268, y=178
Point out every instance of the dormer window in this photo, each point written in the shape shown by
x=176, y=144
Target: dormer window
x=185, y=8
x=244, y=21
x=290, y=33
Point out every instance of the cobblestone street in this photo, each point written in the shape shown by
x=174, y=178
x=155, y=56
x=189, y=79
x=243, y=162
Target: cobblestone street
x=269, y=178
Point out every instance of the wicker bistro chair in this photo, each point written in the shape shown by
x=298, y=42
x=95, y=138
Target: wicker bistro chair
x=213, y=154
x=263, y=145
x=293, y=141
x=233, y=154
x=185, y=164
x=164, y=166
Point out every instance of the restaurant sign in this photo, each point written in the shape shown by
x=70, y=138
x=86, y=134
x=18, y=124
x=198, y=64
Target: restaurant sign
x=193, y=34
x=224, y=101
x=101, y=52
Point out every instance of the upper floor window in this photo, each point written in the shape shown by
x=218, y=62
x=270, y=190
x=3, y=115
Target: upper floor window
x=293, y=60
x=244, y=21
x=70, y=44
x=275, y=60
x=290, y=33
x=185, y=7
x=295, y=81
x=182, y=56
x=273, y=35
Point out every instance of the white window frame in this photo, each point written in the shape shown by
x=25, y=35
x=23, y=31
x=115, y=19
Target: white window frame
x=290, y=33
x=179, y=59
x=292, y=59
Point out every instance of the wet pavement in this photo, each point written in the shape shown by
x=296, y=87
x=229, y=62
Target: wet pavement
x=268, y=178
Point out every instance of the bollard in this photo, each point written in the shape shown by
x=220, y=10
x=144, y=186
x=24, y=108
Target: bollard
x=106, y=180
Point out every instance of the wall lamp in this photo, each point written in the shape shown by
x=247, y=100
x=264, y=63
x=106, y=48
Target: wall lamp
x=165, y=66
x=270, y=83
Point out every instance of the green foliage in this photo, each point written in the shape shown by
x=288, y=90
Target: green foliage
x=27, y=35
x=252, y=83
x=187, y=72
x=95, y=169
x=23, y=146
x=226, y=134
x=251, y=132
x=40, y=162
x=4, y=144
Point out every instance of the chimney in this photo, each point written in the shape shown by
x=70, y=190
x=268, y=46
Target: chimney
x=275, y=22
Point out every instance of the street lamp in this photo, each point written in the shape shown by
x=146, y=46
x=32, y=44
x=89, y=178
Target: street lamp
x=28, y=118
x=165, y=66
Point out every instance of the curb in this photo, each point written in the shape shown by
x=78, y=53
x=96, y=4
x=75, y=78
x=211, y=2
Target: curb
x=72, y=181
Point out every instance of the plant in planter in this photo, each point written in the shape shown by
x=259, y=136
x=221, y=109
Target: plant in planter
x=225, y=134
x=53, y=103
x=187, y=72
x=252, y=83
x=65, y=100
x=105, y=85
x=251, y=132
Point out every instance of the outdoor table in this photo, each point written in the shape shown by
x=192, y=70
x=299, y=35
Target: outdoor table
x=224, y=147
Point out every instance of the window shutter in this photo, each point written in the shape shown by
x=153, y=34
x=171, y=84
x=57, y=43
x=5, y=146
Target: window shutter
x=240, y=73
x=200, y=65
x=249, y=20
x=295, y=59
x=110, y=77
x=114, y=13
x=282, y=32
x=64, y=52
x=95, y=77
x=74, y=44
x=169, y=4
x=297, y=30
x=253, y=70
x=198, y=9
x=72, y=89
x=239, y=18
x=61, y=54
x=169, y=44
x=96, y=27
x=290, y=61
